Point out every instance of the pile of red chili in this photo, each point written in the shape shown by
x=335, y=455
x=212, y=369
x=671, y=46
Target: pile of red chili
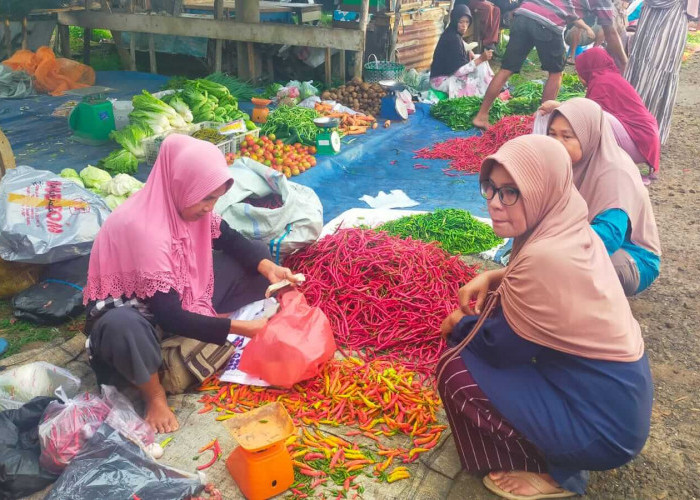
x=384, y=296
x=468, y=153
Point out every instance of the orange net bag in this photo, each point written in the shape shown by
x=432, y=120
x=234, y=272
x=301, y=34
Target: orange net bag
x=52, y=75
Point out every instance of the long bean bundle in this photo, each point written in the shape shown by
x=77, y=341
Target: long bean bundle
x=456, y=231
x=292, y=124
x=382, y=294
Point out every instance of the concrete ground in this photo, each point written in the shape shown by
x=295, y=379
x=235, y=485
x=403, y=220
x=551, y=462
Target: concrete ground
x=436, y=475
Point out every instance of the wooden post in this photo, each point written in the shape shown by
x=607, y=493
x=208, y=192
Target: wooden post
x=64, y=40
x=7, y=36
x=218, y=14
x=360, y=56
x=328, y=68
x=24, y=33
x=117, y=36
x=247, y=11
x=132, y=41
x=152, y=52
x=395, y=31
x=87, y=36
x=342, y=65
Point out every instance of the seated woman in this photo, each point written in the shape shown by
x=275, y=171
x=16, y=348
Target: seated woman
x=551, y=380
x=456, y=70
x=619, y=208
x=634, y=127
x=153, y=275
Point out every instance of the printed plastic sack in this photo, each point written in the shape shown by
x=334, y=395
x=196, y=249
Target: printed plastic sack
x=45, y=218
x=110, y=467
x=295, y=224
x=293, y=345
x=23, y=383
x=20, y=472
x=58, y=297
x=67, y=425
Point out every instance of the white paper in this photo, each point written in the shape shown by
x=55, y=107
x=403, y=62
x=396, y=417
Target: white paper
x=395, y=199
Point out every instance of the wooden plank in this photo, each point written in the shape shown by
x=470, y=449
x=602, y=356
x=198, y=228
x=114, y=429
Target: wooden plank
x=219, y=44
x=343, y=76
x=152, y=53
x=360, y=56
x=310, y=36
x=7, y=36
x=251, y=61
x=395, y=31
x=24, y=33
x=87, y=36
x=64, y=40
x=328, y=64
x=132, y=40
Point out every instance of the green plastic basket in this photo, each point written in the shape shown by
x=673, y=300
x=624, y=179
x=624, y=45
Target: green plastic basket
x=382, y=70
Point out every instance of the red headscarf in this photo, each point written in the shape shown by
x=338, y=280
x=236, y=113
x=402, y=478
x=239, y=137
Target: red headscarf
x=614, y=94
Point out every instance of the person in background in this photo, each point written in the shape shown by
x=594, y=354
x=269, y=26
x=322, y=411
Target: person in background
x=656, y=56
x=154, y=277
x=489, y=20
x=551, y=379
x=634, y=128
x=575, y=36
x=540, y=24
x=619, y=208
x=455, y=69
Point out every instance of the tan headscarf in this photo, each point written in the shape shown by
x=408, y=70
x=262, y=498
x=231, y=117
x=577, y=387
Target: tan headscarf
x=606, y=176
x=560, y=289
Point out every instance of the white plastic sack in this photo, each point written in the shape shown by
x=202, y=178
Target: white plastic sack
x=23, y=383
x=294, y=225
x=45, y=218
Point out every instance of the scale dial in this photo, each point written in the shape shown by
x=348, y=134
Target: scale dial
x=335, y=141
x=401, y=108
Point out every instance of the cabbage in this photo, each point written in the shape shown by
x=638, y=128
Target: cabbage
x=94, y=177
x=149, y=104
x=122, y=185
x=120, y=161
x=71, y=174
x=113, y=201
x=157, y=122
x=131, y=138
x=179, y=105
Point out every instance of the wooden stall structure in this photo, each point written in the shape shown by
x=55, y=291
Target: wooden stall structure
x=246, y=30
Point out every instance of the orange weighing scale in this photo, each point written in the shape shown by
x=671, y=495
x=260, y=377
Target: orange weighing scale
x=260, y=464
x=260, y=111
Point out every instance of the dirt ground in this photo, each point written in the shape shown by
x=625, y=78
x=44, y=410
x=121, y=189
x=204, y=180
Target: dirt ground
x=669, y=313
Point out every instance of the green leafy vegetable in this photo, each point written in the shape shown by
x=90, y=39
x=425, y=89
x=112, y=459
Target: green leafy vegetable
x=131, y=138
x=147, y=103
x=239, y=89
x=122, y=185
x=94, y=177
x=120, y=161
x=113, y=201
x=72, y=174
x=458, y=113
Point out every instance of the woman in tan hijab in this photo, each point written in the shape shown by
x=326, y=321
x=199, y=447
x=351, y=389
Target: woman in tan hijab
x=619, y=208
x=551, y=379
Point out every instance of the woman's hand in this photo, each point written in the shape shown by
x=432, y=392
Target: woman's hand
x=450, y=322
x=487, y=55
x=248, y=328
x=548, y=106
x=473, y=295
x=275, y=273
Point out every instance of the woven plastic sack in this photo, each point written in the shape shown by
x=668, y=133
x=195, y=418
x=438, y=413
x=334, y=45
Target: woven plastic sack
x=52, y=75
x=45, y=218
x=66, y=426
x=293, y=345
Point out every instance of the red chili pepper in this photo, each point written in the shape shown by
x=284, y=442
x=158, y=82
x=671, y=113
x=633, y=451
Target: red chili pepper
x=214, y=446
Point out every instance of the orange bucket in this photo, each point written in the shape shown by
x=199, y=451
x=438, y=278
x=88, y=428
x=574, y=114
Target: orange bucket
x=260, y=464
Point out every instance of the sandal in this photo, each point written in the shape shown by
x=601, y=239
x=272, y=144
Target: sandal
x=534, y=480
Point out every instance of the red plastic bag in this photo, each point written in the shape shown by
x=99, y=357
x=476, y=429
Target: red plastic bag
x=292, y=346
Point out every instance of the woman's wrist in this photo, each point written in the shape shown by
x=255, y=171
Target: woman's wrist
x=265, y=267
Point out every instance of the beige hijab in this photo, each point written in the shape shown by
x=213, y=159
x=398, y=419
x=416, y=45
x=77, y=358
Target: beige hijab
x=606, y=176
x=560, y=289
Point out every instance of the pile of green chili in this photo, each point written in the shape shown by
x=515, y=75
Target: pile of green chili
x=456, y=231
x=292, y=124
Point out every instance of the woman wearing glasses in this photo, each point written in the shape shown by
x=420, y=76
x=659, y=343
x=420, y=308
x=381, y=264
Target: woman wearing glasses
x=619, y=208
x=550, y=380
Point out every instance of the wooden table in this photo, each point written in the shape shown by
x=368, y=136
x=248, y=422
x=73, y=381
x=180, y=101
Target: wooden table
x=305, y=12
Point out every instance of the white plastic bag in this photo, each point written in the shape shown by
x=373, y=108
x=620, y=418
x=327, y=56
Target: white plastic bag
x=294, y=225
x=23, y=383
x=45, y=218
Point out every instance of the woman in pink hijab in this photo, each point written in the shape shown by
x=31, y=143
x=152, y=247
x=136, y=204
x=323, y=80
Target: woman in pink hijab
x=550, y=380
x=164, y=267
x=619, y=208
x=634, y=127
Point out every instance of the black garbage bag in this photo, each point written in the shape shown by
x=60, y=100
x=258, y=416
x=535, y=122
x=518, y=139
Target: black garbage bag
x=58, y=297
x=110, y=467
x=20, y=472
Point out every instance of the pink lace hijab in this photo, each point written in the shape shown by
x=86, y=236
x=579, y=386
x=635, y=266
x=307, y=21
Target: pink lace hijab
x=145, y=246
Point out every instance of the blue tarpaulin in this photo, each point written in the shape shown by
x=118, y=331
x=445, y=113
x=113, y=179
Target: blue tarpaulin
x=381, y=160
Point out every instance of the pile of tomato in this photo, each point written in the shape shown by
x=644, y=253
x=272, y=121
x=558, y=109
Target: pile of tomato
x=290, y=159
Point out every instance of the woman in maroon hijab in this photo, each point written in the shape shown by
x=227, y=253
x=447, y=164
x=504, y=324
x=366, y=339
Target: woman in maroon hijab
x=634, y=127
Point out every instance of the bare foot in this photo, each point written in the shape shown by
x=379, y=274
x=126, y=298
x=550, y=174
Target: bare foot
x=159, y=415
x=482, y=123
x=525, y=483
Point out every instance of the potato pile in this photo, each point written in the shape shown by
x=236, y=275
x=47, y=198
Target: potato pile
x=358, y=95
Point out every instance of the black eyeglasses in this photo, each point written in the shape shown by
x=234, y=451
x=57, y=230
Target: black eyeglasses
x=508, y=195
